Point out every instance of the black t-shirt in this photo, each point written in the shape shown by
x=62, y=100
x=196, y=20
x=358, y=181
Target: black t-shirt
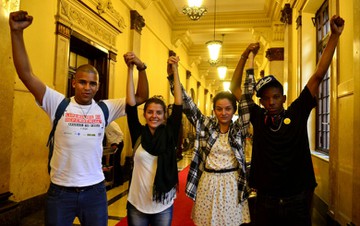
x=281, y=161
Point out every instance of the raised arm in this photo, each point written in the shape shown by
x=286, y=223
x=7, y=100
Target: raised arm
x=190, y=109
x=18, y=21
x=142, y=90
x=130, y=92
x=251, y=60
x=173, y=61
x=235, y=85
x=337, y=26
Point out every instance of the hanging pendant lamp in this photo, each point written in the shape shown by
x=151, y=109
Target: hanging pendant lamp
x=214, y=46
x=194, y=10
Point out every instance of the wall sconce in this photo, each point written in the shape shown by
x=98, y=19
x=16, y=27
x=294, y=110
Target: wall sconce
x=194, y=10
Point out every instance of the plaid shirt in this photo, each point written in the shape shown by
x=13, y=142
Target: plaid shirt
x=207, y=132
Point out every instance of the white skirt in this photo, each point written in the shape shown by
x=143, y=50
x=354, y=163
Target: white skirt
x=217, y=201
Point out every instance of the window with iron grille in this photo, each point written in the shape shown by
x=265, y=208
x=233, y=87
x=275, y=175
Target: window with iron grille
x=322, y=24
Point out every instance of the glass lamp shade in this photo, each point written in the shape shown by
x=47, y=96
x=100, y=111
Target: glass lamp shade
x=214, y=49
x=222, y=71
x=226, y=86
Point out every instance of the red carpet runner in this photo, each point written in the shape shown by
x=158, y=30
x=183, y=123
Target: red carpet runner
x=182, y=204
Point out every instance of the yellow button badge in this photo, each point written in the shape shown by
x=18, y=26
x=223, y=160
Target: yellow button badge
x=287, y=121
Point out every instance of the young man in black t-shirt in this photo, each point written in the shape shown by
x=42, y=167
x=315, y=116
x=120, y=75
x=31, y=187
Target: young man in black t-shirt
x=281, y=167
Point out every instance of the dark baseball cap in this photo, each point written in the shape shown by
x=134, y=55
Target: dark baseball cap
x=267, y=81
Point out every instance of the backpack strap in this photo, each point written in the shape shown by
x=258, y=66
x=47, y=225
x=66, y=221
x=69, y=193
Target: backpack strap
x=59, y=112
x=105, y=111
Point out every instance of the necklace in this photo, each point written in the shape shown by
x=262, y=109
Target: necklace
x=85, y=115
x=277, y=129
x=273, y=121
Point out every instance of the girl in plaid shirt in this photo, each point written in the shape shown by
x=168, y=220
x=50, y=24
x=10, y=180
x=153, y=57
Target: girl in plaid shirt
x=217, y=177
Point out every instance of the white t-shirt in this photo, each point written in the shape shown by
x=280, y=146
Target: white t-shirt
x=142, y=183
x=76, y=160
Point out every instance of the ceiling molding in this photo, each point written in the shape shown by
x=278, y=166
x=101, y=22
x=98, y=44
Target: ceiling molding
x=179, y=37
x=167, y=10
x=145, y=3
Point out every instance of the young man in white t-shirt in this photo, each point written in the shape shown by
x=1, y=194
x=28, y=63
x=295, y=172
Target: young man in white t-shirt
x=77, y=186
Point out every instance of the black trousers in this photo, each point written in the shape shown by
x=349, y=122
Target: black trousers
x=294, y=210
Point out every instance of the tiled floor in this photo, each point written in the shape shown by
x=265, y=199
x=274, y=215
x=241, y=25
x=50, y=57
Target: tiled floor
x=117, y=203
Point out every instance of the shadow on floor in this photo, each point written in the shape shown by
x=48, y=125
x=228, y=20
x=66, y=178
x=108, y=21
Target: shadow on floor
x=37, y=219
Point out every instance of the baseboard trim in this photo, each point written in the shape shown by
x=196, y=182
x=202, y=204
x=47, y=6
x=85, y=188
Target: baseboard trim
x=323, y=209
x=32, y=205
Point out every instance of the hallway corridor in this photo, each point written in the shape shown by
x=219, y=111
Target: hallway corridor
x=292, y=35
